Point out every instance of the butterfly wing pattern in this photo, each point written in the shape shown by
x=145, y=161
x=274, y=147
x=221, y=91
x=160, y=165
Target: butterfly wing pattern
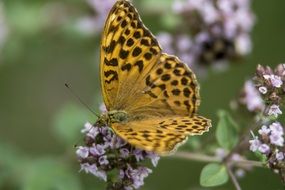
x=159, y=93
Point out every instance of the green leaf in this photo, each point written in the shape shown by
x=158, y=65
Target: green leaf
x=69, y=121
x=213, y=175
x=261, y=157
x=226, y=133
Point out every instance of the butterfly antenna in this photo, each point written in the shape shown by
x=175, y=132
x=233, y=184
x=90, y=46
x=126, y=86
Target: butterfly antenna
x=80, y=100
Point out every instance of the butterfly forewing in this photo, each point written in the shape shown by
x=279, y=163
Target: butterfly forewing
x=128, y=53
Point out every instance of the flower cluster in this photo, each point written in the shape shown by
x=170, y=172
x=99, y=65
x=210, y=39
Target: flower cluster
x=271, y=84
x=220, y=30
x=95, y=23
x=270, y=143
x=105, y=153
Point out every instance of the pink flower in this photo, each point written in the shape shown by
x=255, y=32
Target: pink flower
x=264, y=148
x=274, y=79
x=279, y=156
x=82, y=152
x=276, y=139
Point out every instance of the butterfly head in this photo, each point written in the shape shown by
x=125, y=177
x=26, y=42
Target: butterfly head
x=114, y=116
x=117, y=116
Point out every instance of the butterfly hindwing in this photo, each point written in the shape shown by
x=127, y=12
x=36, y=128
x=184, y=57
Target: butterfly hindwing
x=161, y=135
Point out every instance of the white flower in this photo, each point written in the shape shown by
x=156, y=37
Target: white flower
x=243, y=44
x=221, y=153
x=87, y=127
x=264, y=130
x=240, y=173
x=274, y=110
x=236, y=157
x=262, y=90
x=103, y=108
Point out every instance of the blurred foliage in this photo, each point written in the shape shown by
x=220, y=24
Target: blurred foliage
x=39, y=125
x=71, y=117
x=226, y=132
x=213, y=175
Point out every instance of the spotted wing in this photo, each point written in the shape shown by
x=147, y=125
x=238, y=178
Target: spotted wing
x=170, y=88
x=128, y=52
x=161, y=135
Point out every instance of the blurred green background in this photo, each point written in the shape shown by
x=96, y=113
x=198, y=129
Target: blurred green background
x=39, y=118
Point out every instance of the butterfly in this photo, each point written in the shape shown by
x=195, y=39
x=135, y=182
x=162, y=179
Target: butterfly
x=151, y=97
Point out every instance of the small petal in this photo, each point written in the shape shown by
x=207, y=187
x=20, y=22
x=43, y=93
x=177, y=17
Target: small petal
x=103, y=160
x=274, y=110
x=264, y=148
x=82, y=152
x=124, y=152
x=262, y=90
x=90, y=130
x=240, y=173
x=154, y=158
x=276, y=128
x=252, y=98
x=280, y=156
x=274, y=79
x=254, y=144
x=221, y=153
x=236, y=157
x=87, y=127
x=103, y=108
x=264, y=130
x=97, y=150
x=276, y=139
x=138, y=154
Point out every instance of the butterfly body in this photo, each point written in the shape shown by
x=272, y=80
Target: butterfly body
x=151, y=97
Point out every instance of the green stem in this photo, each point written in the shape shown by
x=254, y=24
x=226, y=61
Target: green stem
x=233, y=177
x=205, y=158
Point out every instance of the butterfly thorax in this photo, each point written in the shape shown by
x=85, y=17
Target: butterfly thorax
x=114, y=116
